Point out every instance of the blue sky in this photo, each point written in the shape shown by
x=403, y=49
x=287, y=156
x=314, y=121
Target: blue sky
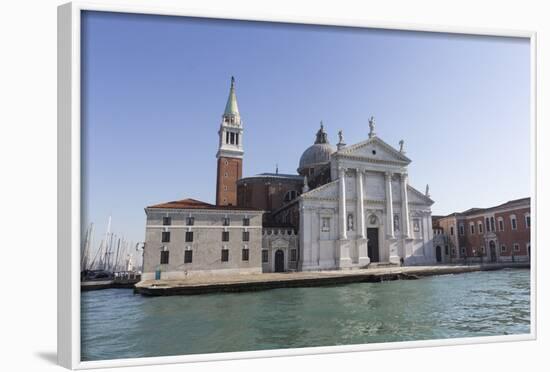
x=154, y=89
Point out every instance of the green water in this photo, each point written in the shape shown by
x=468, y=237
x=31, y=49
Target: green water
x=118, y=324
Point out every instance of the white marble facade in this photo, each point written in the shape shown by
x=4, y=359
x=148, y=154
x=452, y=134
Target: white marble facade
x=369, y=202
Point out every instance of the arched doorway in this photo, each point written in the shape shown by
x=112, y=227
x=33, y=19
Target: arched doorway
x=493, y=250
x=438, y=253
x=279, y=261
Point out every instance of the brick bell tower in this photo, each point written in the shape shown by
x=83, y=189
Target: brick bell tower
x=230, y=151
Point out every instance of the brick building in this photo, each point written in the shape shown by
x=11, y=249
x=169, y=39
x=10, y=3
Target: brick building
x=496, y=234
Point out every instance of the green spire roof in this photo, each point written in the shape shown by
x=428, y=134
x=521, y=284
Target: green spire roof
x=231, y=108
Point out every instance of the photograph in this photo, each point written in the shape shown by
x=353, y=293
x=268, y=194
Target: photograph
x=260, y=185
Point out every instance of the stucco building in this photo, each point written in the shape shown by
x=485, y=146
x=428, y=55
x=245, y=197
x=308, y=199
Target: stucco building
x=347, y=207
x=496, y=234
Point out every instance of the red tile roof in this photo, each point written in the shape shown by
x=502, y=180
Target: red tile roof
x=197, y=204
x=473, y=211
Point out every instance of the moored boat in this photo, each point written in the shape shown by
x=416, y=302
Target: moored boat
x=96, y=279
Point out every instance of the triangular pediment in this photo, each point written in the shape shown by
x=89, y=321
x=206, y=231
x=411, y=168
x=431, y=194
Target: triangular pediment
x=374, y=149
x=416, y=197
x=326, y=191
x=279, y=243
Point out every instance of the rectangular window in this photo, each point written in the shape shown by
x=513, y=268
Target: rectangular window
x=189, y=236
x=492, y=224
x=245, y=254
x=232, y=137
x=246, y=221
x=265, y=256
x=514, y=223
x=516, y=247
x=501, y=224
x=188, y=256
x=166, y=221
x=226, y=137
x=480, y=227
x=225, y=236
x=165, y=236
x=293, y=255
x=463, y=251
x=246, y=236
x=528, y=221
x=461, y=229
x=503, y=248
x=487, y=227
x=190, y=221
x=225, y=255
x=226, y=221
x=452, y=230
x=472, y=229
x=164, y=255
x=237, y=139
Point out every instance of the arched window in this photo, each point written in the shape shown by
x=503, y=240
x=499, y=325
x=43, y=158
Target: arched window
x=500, y=224
x=514, y=222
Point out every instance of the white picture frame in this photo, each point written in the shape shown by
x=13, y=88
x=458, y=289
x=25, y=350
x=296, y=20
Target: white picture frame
x=69, y=172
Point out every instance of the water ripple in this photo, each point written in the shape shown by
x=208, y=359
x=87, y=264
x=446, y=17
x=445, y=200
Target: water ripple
x=118, y=324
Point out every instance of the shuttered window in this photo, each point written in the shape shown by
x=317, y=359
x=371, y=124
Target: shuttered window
x=189, y=236
x=225, y=255
x=188, y=256
x=164, y=257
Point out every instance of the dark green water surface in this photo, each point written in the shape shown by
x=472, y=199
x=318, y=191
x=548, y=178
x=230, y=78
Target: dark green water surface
x=118, y=324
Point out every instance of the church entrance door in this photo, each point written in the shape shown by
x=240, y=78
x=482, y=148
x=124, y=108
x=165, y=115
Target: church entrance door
x=279, y=261
x=372, y=246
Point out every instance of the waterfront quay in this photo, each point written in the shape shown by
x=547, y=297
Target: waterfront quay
x=201, y=284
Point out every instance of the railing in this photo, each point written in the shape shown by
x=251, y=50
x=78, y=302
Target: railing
x=127, y=276
x=279, y=231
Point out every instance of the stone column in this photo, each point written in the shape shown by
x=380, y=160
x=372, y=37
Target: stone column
x=405, y=205
x=342, y=201
x=360, y=204
x=344, y=261
x=306, y=261
x=389, y=206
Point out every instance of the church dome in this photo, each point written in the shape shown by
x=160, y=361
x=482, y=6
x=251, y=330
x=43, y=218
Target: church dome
x=318, y=153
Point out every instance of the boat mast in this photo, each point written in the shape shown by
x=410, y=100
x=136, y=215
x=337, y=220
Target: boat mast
x=115, y=264
x=85, y=252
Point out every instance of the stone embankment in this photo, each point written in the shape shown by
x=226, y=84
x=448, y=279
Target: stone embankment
x=255, y=282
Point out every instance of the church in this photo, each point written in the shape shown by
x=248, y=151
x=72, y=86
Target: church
x=347, y=207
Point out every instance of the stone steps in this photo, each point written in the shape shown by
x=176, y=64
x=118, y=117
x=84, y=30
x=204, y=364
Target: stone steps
x=374, y=265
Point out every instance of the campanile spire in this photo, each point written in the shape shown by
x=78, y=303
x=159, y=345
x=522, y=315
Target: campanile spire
x=231, y=107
